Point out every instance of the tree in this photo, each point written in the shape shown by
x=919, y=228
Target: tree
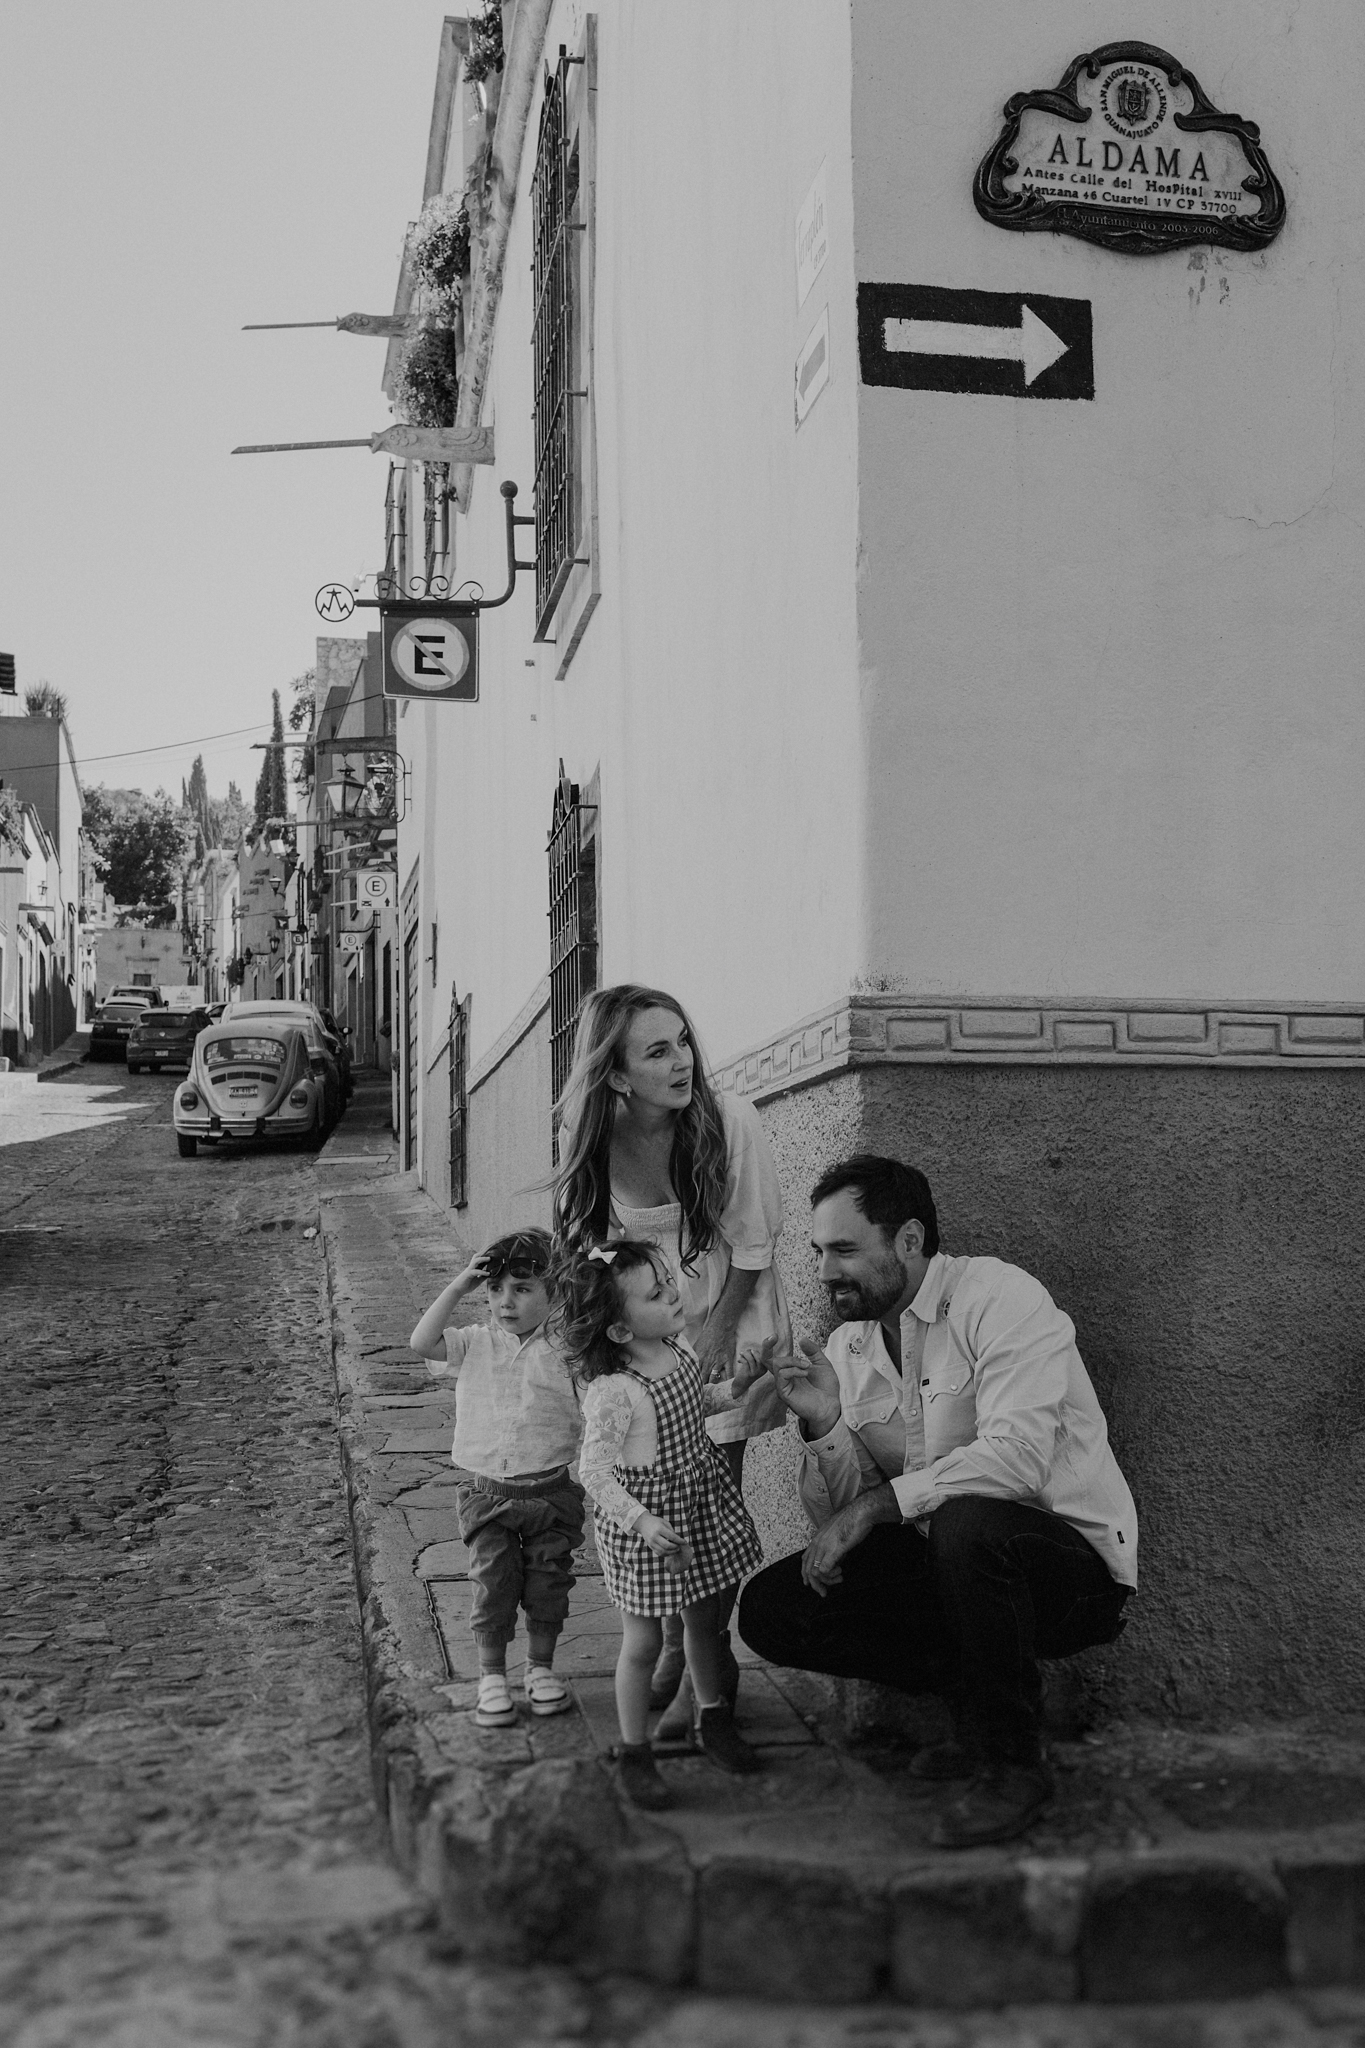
x=43, y=701
x=305, y=689
x=11, y=818
x=140, y=846
x=227, y=815
x=195, y=803
x=272, y=794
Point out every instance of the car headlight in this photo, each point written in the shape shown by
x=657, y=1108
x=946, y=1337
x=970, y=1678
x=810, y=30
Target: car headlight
x=189, y=1099
x=300, y=1098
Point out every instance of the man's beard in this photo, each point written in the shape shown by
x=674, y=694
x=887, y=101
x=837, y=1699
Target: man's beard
x=865, y=1301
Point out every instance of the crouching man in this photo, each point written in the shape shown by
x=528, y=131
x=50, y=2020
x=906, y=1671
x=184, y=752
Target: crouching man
x=970, y=1516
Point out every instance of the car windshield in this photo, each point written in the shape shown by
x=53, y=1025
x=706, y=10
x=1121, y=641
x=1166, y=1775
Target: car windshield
x=117, y=1012
x=300, y=1018
x=262, y=1051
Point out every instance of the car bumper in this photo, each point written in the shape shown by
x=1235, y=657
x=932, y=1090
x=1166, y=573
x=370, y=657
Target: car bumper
x=211, y=1128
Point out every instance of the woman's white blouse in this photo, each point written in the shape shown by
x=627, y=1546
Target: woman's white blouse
x=620, y=1428
x=749, y=1227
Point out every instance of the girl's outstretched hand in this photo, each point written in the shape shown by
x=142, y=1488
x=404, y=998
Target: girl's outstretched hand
x=753, y=1362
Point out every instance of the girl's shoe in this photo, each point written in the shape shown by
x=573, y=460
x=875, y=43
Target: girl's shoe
x=670, y=1667
x=723, y=1743
x=675, y=1724
x=638, y=1776
x=546, y=1694
x=495, y=1709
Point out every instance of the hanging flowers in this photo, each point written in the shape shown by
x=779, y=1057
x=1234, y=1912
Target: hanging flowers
x=485, y=43
x=438, y=244
x=426, y=389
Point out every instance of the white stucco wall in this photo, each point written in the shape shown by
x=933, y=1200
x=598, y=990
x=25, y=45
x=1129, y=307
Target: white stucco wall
x=1111, y=650
x=716, y=686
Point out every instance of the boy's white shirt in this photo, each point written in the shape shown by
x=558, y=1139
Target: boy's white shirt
x=516, y=1408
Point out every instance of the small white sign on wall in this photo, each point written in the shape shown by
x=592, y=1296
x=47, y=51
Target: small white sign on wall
x=812, y=366
x=812, y=237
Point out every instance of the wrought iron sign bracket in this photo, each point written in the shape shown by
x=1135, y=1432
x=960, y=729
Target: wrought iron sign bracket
x=432, y=597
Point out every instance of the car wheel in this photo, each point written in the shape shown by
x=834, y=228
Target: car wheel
x=133, y=1067
x=187, y=1147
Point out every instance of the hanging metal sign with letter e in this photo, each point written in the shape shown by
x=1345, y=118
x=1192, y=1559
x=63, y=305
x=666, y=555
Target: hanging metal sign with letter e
x=1002, y=344
x=431, y=651
x=1127, y=151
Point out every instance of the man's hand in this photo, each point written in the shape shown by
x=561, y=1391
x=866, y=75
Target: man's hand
x=820, y=1564
x=809, y=1386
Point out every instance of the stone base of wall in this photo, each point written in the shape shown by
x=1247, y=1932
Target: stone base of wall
x=1200, y=1225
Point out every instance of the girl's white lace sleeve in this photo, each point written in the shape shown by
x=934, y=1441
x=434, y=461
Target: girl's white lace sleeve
x=608, y=1406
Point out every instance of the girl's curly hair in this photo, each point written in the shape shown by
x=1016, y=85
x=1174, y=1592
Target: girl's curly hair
x=588, y=1301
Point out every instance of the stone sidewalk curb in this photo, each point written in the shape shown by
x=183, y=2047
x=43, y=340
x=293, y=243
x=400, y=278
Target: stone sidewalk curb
x=73, y=1052
x=530, y=1856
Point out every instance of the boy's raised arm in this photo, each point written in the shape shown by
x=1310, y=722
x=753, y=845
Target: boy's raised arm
x=428, y=1340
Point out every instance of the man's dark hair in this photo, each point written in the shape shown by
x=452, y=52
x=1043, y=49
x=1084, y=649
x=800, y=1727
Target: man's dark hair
x=888, y=1193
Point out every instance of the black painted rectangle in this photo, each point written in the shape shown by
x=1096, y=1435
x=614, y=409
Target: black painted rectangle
x=1071, y=376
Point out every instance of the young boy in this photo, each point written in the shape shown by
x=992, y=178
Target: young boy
x=517, y=1428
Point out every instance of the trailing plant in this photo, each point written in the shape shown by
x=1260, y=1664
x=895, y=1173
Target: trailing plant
x=438, y=244
x=427, y=387
x=485, y=43
x=11, y=818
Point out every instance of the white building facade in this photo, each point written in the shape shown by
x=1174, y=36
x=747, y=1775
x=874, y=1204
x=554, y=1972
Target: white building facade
x=982, y=769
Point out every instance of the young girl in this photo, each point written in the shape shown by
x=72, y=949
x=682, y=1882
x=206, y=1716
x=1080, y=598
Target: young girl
x=672, y=1530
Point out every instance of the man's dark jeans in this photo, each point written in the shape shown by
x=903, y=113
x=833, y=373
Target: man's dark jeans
x=965, y=1612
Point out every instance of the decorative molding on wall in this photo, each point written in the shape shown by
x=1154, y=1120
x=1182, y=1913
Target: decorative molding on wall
x=527, y=1016
x=893, y=1030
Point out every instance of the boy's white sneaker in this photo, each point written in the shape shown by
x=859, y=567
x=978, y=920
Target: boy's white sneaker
x=495, y=1708
x=545, y=1693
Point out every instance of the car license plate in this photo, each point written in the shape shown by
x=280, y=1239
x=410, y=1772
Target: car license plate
x=242, y=1091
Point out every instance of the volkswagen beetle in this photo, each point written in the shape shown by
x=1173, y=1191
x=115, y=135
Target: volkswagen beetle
x=252, y=1080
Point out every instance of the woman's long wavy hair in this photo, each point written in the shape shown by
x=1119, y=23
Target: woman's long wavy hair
x=588, y=1109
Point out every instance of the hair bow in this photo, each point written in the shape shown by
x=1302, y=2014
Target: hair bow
x=603, y=1258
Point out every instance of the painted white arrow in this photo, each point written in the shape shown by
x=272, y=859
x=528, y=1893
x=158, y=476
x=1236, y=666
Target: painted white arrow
x=1031, y=343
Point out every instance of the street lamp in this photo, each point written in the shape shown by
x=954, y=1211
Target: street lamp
x=344, y=796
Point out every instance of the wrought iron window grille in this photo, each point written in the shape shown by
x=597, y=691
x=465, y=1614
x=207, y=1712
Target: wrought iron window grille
x=554, y=198
x=573, y=928
x=459, y=1100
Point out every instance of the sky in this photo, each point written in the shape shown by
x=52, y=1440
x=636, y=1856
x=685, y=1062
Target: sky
x=169, y=170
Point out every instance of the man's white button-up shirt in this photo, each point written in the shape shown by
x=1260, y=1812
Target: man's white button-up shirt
x=993, y=1398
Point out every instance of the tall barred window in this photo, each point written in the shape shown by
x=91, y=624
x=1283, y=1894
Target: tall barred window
x=562, y=213
x=573, y=921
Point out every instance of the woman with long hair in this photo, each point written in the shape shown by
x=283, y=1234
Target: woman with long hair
x=648, y=1150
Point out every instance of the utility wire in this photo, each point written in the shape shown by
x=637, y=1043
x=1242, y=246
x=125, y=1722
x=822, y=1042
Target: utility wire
x=131, y=753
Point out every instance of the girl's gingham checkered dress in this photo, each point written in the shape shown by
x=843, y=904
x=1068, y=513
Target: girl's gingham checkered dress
x=690, y=1487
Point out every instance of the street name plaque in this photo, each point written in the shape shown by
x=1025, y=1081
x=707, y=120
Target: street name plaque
x=1128, y=151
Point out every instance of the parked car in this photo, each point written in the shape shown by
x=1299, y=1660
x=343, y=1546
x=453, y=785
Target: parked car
x=313, y=1019
x=134, y=992
x=258, y=1080
x=111, y=1027
x=164, y=1038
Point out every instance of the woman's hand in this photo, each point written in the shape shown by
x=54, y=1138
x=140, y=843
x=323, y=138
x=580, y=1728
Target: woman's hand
x=716, y=1351
x=673, y=1551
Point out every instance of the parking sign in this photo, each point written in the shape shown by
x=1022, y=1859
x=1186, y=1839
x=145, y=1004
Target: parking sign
x=431, y=651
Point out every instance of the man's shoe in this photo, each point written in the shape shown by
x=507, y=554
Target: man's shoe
x=637, y=1774
x=1002, y=1802
x=669, y=1669
x=943, y=1761
x=722, y=1742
